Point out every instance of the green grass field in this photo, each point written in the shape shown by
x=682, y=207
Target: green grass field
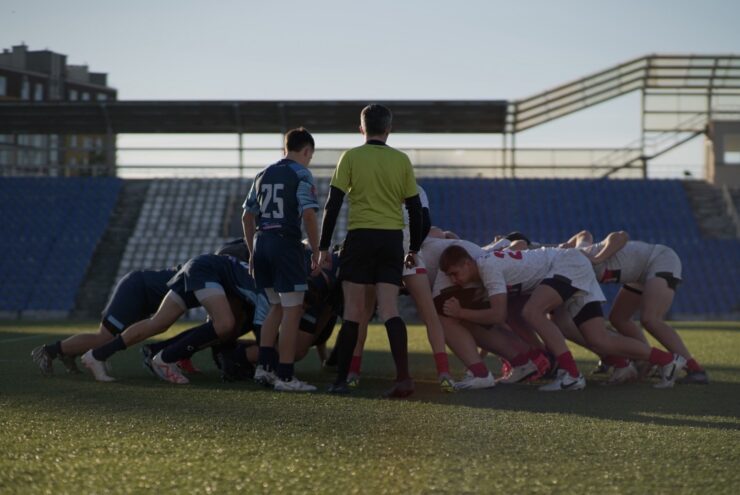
x=69, y=434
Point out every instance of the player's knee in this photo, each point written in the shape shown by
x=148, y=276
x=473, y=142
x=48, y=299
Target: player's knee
x=648, y=320
x=617, y=320
x=224, y=326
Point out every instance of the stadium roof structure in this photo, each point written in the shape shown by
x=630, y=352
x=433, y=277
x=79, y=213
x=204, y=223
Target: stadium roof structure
x=245, y=116
x=680, y=96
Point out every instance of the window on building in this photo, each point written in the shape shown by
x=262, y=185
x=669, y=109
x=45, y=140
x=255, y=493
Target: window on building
x=3, y=86
x=38, y=92
x=85, y=96
x=25, y=89
x=102, y=96
x=732, y=157
x=72, y=95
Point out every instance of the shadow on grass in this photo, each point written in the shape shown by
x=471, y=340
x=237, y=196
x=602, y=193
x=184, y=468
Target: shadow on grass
x=715, y=406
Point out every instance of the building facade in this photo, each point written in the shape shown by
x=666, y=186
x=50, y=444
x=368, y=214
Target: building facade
x=45, y=76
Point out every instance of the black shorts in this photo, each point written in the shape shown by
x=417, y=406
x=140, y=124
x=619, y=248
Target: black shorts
x=371, y=256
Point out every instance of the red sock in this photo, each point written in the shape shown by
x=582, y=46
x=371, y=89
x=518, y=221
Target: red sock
x=479, y=369
x=443, y=366
x=355, y=365
x=535, y=353
x=661, y=358
x=692, y=365
x=567, y=363
x=616, y=361
x=520, y=359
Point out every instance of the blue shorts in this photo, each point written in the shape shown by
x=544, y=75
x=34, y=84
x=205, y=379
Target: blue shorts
x=279, y=263
x=129, y=303
x=198, y=273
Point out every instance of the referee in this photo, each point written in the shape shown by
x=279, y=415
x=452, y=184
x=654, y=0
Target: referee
x=377, y=179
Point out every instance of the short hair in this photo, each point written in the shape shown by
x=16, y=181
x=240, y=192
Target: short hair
x=453, y=255
x=297, y=139
x=517, y=236
x=376, y=119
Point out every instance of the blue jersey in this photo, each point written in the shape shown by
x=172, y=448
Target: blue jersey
x=279, y=195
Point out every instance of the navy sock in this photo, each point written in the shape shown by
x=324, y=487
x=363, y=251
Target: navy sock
x=196, y=339
x=346, y=342
x=398, y=339
x=105, y=351
x=268, y=358
x=285, y=371
x=161, y=345
x=54, y=349
x=239, y=355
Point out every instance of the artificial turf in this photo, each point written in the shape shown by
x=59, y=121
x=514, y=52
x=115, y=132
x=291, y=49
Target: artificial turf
x=69, y=434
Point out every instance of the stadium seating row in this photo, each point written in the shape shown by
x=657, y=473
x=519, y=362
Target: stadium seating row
x=48, y=233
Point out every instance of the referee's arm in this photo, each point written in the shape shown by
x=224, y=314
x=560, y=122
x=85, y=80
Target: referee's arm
x=331, y=212
x=416, y=222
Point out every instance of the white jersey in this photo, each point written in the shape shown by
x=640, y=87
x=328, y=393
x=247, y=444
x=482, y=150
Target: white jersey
x=634, y=262
x=406, y=233
x=515, y=272
x=430, y=252
x=520, y=272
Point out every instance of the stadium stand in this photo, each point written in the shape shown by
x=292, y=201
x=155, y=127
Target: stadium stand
x=48, y=233
x=181, y=218
x=50, y=228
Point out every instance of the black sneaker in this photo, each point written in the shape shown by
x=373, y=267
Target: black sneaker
x=231, y=371
x=43, y=360
x=70, y=364
x=695, y=378
x=340, y=387
x=146, y=359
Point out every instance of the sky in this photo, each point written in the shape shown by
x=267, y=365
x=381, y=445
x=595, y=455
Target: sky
x=290, y=50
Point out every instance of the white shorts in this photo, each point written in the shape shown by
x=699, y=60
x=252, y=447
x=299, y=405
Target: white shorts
x=662, y=260
x=576, y=267
x=419, y=269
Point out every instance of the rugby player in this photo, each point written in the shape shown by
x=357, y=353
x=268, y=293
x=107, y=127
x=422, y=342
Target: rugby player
x=650, y=274
x=136, y=296
x=221, y=284
x=553, y=277
x=282, y=195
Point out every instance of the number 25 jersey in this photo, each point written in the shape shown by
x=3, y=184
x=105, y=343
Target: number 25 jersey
x=279, y=195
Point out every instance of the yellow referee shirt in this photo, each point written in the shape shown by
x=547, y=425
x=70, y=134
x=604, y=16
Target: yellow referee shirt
x=377, y=179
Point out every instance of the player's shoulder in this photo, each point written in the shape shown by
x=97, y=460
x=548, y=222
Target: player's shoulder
x=300, y=171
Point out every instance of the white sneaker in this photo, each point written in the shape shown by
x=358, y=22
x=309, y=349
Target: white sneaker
x=293, y=385
x=669, y=373
x=623, y=375
x=264, y=377
x=564, y=381
x=519, y=373
x=168, y=372
x=97, y=368
x=472, y=382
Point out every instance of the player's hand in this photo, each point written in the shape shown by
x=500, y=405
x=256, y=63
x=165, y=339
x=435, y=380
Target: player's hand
x=324, y=260
x=315, y=264
x=452, y=308
x=410, y=260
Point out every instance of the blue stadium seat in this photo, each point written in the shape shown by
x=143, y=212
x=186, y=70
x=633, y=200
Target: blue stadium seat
x=49, y=228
